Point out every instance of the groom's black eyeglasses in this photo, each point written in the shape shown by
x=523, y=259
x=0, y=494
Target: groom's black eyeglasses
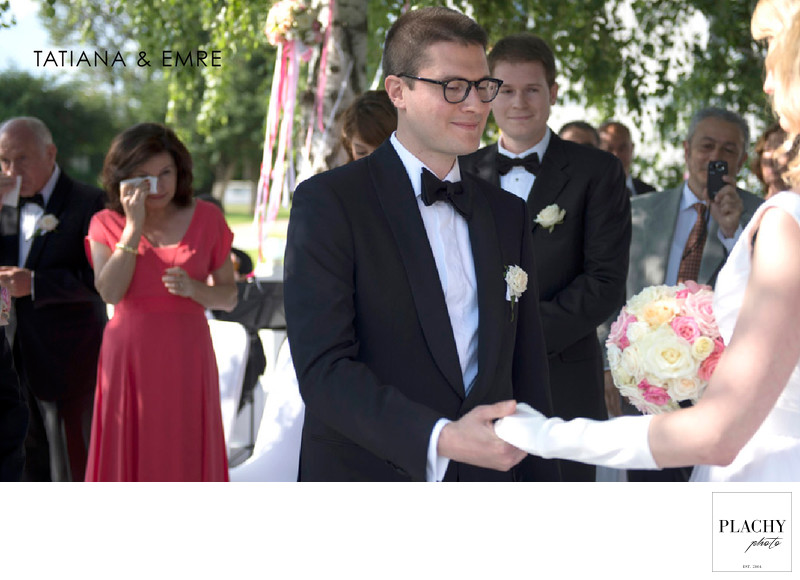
x=457, y=90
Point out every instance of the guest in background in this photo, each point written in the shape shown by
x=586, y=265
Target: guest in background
x=161, y=258
x=580, y=132
x=58, y=317
x=582, y=254
x=366, y=123
x=769, y=163
x=616, y=139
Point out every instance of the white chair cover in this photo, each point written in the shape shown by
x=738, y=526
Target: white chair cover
x=277, y=447
x=231, y=347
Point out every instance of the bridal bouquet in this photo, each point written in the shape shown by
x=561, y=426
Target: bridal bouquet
x=664, y=346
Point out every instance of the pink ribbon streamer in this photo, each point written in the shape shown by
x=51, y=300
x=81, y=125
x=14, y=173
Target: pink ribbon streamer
x=322, y=80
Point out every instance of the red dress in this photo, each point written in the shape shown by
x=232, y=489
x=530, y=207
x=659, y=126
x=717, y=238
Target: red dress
x=157, y=408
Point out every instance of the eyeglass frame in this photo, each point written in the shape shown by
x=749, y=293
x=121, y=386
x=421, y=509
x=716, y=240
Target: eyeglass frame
x=470, y=84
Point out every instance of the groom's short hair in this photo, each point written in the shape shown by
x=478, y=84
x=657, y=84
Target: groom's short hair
x=405, y=48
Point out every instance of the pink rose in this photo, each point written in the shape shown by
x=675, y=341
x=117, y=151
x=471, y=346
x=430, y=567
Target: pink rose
x=708, y=366
x=686, y=328
x=699, y=307
x=719, y=345
x=653, y=394
x=618, y=334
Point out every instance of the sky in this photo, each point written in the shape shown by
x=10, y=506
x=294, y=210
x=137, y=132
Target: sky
x=18, y=43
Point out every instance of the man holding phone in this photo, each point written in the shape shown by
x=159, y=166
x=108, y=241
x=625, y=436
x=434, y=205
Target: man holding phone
x=687, y=232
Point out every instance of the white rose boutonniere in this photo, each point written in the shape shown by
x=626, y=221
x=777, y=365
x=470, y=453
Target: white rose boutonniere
x=550, y=217
x=46, y=224
x=516, y=284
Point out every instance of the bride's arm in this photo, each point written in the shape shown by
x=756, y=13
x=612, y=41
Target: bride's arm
x=755, y=366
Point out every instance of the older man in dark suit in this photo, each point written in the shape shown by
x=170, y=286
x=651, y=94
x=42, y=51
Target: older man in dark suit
x=58, y=317
x=581, y=226
x=407, y=339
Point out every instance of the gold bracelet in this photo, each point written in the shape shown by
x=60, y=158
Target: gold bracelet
x=124, y=248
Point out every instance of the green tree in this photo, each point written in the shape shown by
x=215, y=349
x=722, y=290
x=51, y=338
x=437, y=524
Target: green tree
x=81, y=121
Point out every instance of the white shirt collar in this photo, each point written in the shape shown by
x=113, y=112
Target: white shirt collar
x=539, y=148
x=414, y=166
x=688, y=199
x=48, y=188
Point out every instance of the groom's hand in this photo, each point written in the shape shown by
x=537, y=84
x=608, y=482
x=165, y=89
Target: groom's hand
x=472, y=439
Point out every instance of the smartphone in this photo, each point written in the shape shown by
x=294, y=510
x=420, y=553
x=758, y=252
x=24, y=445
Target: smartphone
x=153, y=182
x=716, y=169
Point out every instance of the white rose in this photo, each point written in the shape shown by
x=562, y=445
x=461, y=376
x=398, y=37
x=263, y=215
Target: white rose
x=516, y=282
x=623, y=380
x=550, y=217
x=665, y=356
x=648, y=295
x=636, y=330
x=685, y=388
x=48, y=222
x=614, y=354
x=702, y=347
x=631, y=362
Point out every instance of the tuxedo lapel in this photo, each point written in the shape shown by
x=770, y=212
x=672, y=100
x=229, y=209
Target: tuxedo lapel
x=55, y=206
x=552, y=178
x=396, y=196
x=486, y=166
x=490, y=279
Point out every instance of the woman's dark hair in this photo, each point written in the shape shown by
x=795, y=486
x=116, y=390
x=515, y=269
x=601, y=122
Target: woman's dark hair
x=135, y=146
x=372, y=117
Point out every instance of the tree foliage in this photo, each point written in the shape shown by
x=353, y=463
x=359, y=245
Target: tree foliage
x=82, y=123
x=642, y=61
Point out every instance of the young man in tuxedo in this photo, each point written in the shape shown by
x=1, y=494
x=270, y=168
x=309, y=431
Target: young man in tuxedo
x=616, y=138
x=58, y=317
x=581, y=224
x=404, y=338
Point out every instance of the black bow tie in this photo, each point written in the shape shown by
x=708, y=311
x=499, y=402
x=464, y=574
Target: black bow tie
x=433, y=190
x=531, y=163
x=36, y=198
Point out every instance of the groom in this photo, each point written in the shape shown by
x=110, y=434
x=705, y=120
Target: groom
x=404, y=340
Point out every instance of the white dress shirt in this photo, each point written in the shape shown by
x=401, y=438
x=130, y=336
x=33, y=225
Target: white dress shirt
x=29, y=215
x=519, y=181
x=687, y=217
x=448, y=235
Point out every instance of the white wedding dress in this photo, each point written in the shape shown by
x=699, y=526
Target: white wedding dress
x=773, y=453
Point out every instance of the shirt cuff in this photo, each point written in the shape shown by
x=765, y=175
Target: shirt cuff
x=436, y=465
x=729, y=242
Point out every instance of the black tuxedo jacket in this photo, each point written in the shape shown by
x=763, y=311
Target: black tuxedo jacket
x=642, y=187
x=580, y=266
x=370, y=335
x=58, y=334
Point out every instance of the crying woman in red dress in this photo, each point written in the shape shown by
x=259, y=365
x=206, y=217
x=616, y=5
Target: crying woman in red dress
x=161, y=258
